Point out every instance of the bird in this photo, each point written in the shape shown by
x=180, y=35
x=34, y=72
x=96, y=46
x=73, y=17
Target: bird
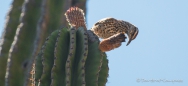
x=109, y=26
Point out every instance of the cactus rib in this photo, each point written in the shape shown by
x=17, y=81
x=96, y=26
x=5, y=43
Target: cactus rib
x=93, y=64
x=38, y=68
x=47, y=59
x=61, y=53
x=70, y=59
x=80, y=57
x=103, y=74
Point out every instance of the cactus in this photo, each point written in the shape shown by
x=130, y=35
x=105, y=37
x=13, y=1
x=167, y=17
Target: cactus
x=71, y=56
x=68, y=59
x=28, y=23
x=12, y=21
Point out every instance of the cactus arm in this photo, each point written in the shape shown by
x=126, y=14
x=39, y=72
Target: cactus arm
x=80, y=57
x=12, y=21
x=61, y=53
x=47, y=59
x=70, y=59
x=52, y=17
x=93, y=64
x=22, y=46
x=103, y=74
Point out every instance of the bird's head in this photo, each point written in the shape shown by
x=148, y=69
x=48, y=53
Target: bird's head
x=132, y=33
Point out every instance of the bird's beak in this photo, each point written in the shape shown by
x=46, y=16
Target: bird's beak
x=132, y=35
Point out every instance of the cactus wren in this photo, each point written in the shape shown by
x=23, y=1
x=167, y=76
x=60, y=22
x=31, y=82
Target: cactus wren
x=107, y=27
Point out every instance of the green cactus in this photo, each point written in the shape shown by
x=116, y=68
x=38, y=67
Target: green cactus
x=28, y=23
x=68, y=59
x=17, y=63
x=12, y=22
x=70, y=56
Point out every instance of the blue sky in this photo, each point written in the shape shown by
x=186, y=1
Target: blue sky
x=158, y=53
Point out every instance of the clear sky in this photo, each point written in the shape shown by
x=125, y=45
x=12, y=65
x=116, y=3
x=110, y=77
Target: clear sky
x=160, y=51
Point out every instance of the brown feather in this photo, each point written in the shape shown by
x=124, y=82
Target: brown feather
x=112, y=42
